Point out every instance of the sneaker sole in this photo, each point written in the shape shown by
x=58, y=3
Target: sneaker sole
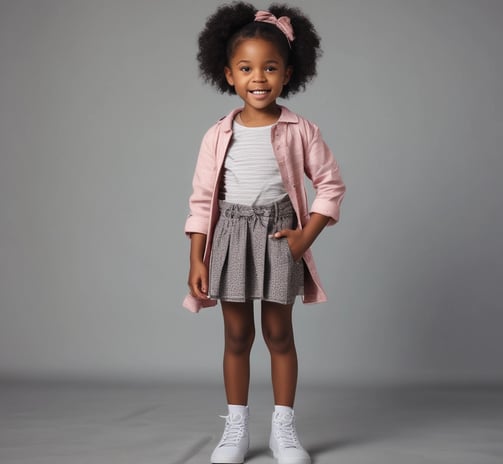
x=290, y=461
x=228, y=460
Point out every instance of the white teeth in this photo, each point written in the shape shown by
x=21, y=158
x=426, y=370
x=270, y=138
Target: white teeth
x=259, y=92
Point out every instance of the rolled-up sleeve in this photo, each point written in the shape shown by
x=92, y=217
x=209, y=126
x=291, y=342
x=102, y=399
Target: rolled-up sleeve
x=322, y=168
x=203, y=184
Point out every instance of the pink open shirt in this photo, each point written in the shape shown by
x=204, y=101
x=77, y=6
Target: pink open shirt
x=300, y=151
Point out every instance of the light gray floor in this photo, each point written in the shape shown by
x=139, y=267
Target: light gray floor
x=91, y=424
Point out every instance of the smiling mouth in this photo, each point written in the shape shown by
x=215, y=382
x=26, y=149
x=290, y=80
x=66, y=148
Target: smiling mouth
x=259, y=92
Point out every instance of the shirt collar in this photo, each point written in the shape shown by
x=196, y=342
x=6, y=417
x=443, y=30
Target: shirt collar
x=286, y=116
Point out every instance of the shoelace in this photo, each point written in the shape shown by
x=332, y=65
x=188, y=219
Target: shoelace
x=234, y=430
x=285, y=431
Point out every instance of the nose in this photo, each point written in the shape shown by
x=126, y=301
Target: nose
x=259, y=76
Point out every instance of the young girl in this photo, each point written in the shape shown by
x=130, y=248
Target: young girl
x=249, y=223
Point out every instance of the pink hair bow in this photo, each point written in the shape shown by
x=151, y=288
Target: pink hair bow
x=283, y=23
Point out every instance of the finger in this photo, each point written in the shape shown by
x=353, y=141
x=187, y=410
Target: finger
x=198, y=294
x=199, y=290
x=280, y=233
x=194, y=289
x=204, y=285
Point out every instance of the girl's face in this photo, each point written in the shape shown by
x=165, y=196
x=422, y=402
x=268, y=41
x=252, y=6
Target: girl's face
x=258, y=73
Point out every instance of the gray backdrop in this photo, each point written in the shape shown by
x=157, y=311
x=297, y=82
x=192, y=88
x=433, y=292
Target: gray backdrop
x=101, y=116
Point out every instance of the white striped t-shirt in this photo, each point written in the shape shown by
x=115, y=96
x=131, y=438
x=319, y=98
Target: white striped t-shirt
x=251, y=174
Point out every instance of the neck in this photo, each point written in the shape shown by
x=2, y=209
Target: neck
x=255, y=118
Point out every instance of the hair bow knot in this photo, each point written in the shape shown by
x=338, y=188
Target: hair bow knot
x=283, y=23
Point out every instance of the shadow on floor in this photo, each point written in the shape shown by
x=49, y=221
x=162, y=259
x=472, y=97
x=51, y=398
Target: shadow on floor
x=313, y=450
x=325, y=447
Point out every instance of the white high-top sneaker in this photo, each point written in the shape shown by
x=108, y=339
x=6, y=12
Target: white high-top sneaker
x=235, y=440
x=284, y=442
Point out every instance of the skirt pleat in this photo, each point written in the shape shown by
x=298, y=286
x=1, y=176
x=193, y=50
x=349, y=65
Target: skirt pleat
x=246, y=262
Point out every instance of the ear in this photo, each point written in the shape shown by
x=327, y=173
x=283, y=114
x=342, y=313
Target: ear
x=288, y=74
x=228, y=75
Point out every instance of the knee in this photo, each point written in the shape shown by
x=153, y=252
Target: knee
x=279, y=341
x=239, y=342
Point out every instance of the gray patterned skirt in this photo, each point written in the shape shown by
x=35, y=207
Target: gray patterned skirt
x=246, y=262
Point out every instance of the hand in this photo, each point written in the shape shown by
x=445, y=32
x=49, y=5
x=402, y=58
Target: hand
x=299, y=240
x=198, y=280
x=296, y=242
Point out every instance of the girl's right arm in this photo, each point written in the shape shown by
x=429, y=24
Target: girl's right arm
x=198, y=274
x=198, y=220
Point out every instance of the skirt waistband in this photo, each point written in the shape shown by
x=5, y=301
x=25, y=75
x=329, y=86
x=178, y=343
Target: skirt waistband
x=274, y=210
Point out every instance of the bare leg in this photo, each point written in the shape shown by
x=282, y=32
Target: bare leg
x=239, y=329
x=278, y=335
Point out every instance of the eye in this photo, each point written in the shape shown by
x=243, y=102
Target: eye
x=270, y=68
x=245, y=69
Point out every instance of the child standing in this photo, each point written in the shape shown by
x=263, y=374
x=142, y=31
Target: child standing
x=249, y=223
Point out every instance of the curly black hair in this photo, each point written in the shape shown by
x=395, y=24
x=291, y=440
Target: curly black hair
x=234, y=22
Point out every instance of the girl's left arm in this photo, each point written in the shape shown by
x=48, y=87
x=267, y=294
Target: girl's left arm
x=322, y=169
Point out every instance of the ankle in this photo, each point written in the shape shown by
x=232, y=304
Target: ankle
x=238, y=409
x=281, y=409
